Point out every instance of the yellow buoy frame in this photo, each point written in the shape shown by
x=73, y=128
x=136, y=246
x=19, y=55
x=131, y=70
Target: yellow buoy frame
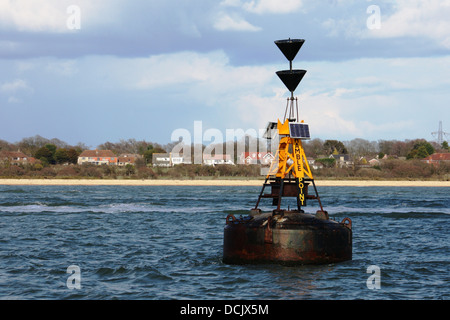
x=299, y=168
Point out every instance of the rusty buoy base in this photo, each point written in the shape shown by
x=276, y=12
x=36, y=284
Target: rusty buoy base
x=287, y=237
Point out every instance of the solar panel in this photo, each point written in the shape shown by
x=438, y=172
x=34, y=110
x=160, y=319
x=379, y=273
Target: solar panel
x=299, y=130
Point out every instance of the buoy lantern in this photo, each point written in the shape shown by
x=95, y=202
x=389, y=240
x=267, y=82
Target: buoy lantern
x=288, y=236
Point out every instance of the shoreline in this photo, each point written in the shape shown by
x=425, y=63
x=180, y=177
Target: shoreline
x=214, y=182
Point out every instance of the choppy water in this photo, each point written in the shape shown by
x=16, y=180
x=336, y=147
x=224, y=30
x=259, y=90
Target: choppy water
x=166, y=243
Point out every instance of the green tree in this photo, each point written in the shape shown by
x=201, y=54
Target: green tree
x=445, y=145
x=129, y=169
x=46, y=155
x=61, y=156
x=420, y=150
x=331, y=146
x=150, y=151
x=51, y=147
x=72, y=155
x=327, y=162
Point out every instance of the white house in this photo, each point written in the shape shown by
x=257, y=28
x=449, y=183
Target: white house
x=264, y=158
x=211, y=160
x=168, y=160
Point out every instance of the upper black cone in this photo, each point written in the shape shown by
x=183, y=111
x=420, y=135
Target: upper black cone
x=290, y=47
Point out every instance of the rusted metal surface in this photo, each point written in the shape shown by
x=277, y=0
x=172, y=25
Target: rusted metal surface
x=292, y=238
x=289, y=189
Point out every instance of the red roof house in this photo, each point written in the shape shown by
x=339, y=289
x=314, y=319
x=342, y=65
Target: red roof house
x=15, y=157
x=98, y=157
x=437, y=158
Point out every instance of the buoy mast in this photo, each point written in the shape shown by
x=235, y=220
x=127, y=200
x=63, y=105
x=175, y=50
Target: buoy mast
x=289, y=174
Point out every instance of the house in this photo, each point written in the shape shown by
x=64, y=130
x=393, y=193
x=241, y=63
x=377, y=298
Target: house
x=168, y=160
x=342, y=160
x=180, y=160
x=161, y=160
x=15, y=158
x=313, y=164
x=437, y=158
x=256, y=158
x=211, y=160
x=374, y=162
x=98, y=157
x=125, y=159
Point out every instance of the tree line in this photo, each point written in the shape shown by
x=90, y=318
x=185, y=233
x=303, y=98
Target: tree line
x=58, y=151
x=56, y=159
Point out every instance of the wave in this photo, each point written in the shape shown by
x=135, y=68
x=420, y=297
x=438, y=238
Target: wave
x=236, y=209
x=105, y=208
x=388, y=210
x=13, y=191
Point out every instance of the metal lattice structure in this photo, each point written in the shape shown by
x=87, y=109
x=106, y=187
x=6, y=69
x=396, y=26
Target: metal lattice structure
x=440, y=135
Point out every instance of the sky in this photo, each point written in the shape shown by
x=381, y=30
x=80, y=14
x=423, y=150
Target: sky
x=106, y=70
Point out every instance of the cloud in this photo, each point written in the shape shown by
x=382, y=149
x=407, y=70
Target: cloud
x=182, y=68
x=13, y=99
x=32, y=15
x=272, y=6
x=210, y=60
x=402, y=19
x=265, y=6
x=62, y=67
x=207, y=80
x=366, y=98
x=381, y=98
x=413, y=18
x=14, y=86
x=228, y=22
x=49, y=16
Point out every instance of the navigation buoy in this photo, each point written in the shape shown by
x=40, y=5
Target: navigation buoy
x=283, y=235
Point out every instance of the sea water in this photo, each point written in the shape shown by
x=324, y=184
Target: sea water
x=165, y=242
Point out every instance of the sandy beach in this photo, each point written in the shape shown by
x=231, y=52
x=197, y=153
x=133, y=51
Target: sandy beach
x=214, y=182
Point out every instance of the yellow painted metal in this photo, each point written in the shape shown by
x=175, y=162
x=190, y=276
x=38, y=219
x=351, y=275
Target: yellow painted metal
x=289, y=149
x=283, y=128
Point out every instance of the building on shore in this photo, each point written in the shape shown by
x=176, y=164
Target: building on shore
x=437, y=158
x=212, y=160
x=15, y=158
x=169, y=160
x=97, y=157
x=264, y=158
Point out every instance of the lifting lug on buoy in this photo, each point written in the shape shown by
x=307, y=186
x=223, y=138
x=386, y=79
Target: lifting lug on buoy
x=232, y=217
x=347, y=222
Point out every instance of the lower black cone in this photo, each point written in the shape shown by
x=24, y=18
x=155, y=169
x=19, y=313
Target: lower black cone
x=291, y=78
